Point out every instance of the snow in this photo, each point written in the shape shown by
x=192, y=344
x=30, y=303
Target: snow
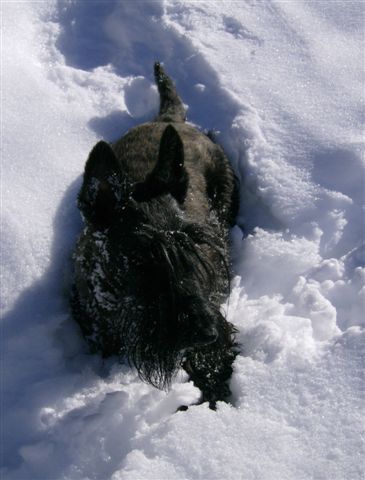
x=281, y=83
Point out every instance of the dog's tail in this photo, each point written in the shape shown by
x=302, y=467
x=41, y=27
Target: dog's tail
x=171, y=107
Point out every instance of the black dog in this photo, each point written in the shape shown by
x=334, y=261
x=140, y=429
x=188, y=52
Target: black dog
x=151, y=267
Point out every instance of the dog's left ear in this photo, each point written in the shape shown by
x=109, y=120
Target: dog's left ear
x=102, y=188
x=169, y=174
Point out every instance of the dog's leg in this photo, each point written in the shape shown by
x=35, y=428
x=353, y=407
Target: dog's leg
x=210, y=367
x=171, y=107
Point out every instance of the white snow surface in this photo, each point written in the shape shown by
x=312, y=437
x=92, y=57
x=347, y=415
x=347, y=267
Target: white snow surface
x=282, y=84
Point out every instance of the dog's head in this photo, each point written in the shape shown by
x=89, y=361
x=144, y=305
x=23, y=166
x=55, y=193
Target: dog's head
x=108, y=194
x=159, y=266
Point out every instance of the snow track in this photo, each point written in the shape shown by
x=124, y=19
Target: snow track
x=282, y=85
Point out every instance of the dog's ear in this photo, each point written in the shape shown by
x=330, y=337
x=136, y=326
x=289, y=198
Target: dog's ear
x=101, y=188
x=169, y=174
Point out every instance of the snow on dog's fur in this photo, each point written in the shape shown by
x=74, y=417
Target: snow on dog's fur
x=151, y=267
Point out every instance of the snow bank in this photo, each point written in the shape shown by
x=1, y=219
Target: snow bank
x=282, y=85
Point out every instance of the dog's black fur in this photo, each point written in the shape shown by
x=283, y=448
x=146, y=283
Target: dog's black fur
x=151, y=266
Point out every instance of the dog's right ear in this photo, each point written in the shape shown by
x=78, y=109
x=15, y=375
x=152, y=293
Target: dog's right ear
x=101, y=188
x=169, y=174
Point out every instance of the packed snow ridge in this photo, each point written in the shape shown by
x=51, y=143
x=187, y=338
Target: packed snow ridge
x=281, y=83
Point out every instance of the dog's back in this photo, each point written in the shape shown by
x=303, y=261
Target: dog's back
x=210, y=178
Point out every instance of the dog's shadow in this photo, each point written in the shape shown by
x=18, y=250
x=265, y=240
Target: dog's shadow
x=45, y=294
x=33, y=357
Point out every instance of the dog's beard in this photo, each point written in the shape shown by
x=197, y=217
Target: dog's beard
x=155, y=365
x=148, y=343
